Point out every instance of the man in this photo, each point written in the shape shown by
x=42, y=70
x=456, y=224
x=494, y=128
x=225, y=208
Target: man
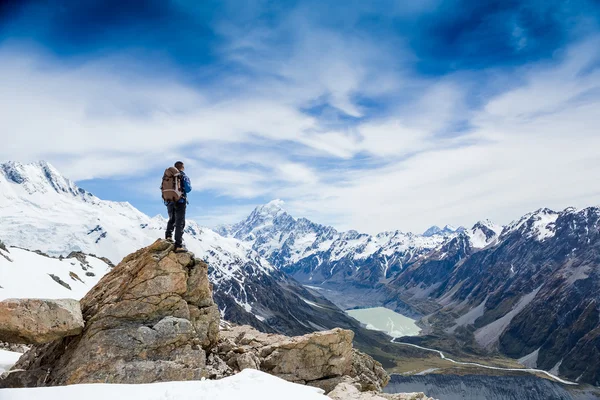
x=177, y=208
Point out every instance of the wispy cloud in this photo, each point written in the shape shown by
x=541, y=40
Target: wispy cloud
x=345, y=117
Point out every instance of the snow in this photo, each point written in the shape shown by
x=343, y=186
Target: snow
x=7, y=360
x=488, y=335
x=530, y=360
x=543, y=225
x=248, y=385
x=28, y=275
x=311, y=303
x=269, y=229
x=539, y=224
x=469, y=317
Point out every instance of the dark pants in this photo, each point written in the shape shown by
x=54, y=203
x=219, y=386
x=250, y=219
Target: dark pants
x=176, y=221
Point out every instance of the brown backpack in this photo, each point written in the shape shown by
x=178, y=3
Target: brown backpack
x=171, y=185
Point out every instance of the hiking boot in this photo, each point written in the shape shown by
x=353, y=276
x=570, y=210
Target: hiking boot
x=179, y=249
x=170, y=239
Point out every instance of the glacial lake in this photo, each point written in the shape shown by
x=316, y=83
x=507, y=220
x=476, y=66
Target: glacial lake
x=385, y=320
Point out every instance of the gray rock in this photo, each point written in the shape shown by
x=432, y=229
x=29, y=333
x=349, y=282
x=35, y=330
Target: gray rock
x=150, y=319
x=321, y=359
x=347, y=391
x=36, y=321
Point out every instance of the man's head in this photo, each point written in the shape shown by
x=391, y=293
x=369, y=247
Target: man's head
x=179, y=165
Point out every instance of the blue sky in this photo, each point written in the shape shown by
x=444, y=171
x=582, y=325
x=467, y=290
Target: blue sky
x=371, y=115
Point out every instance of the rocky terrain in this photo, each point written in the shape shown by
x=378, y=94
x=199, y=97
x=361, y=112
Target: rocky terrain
x=153, y=318
x=533, y=295
x=476, y=387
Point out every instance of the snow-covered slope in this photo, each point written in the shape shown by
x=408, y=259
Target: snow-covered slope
x=539, y=224
x=24, y=273
x=248, y=385
x=42, y=210
x=483, y=233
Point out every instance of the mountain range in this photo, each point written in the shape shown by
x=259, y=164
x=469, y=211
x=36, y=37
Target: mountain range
x=45, y=217
x=528, y=290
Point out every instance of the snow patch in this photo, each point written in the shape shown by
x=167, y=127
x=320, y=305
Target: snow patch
x=28, y=276
x=530, y=360
x=488, y=335
x=8, y=359
x=311, y=303
x=470, y=317
x=248, y=385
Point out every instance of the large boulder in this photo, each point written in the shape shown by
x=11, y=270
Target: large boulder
x=348, y=391
x=322, y=359
x=36, y=321
x=150, y=319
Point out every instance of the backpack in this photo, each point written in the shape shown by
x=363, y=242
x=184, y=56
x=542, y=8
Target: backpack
x=171, y=185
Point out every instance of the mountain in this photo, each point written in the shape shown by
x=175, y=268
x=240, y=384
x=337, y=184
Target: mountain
x=353, y=267
x=43, y=211
x=447, y=230
x=532, y=293
x=317, y=254
x=529, y=290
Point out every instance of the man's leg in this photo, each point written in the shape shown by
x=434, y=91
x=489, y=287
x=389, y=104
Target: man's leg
x=171, y=222
x=179, y=223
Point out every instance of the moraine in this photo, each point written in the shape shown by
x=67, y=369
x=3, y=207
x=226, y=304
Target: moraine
x=385, y=320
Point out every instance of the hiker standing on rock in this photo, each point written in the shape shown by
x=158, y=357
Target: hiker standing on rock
x=175, y=187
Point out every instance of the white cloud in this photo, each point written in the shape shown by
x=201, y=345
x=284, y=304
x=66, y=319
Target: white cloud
x=531, y=146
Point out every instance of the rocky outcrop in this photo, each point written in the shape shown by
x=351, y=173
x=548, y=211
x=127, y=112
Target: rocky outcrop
x=348, y=391
x=37, y=321
x=150, y=319
x=322, y=359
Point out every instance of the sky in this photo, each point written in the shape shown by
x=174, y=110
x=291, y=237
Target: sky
x=373, y=116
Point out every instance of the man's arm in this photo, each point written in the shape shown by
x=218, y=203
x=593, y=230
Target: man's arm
x=187, y=184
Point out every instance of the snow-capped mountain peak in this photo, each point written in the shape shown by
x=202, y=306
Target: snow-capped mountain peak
x=311, y=252
x=436, y=230
x=539, y=224
x=483, y=233
x=40, y=179
x=274, y=207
